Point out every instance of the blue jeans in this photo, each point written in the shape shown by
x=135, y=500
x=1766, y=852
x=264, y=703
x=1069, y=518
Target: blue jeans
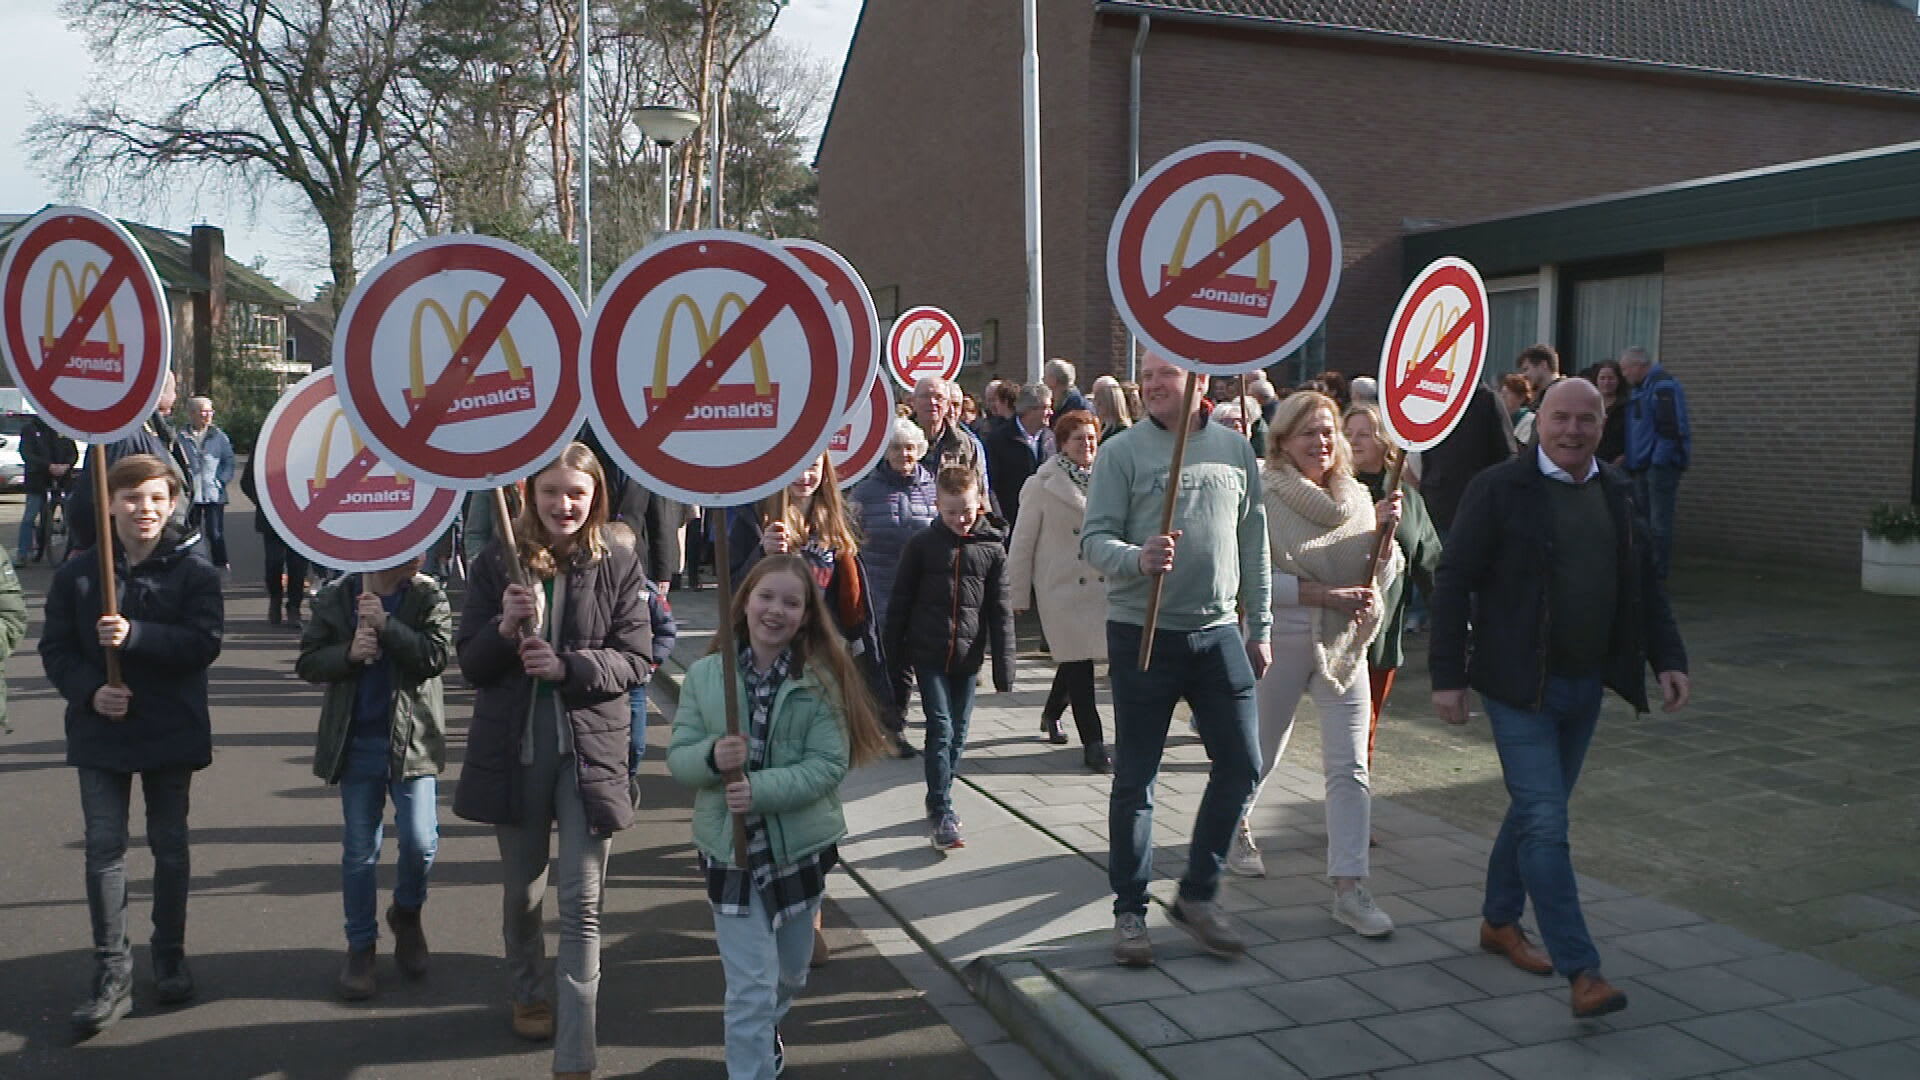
x=105, y=798
x=1210, y=671
x=30, y=526
x=947, y=702
x=1657, y=490
x=637, y=707
x=364, y=788
x=1540, y=755
x=765, y=969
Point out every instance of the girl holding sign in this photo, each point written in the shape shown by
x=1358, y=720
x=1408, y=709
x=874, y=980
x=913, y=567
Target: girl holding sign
x=553, y=635
x=154, y=724
x=806, y=719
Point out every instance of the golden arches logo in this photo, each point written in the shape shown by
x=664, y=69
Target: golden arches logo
x=921, y=334
x=372, y=493
x=99, y=361
x=1234, y=294
x=490, y=394
x=1435, y=384
x=727, y=406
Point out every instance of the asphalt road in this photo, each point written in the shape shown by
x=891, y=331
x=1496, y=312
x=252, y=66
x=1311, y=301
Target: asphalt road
x=264, y=922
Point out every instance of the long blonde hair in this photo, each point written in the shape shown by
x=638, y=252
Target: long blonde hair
x=1110, y=403
x=825, y=521
x=1292, y=415
x=818, y=642
x=539, y=550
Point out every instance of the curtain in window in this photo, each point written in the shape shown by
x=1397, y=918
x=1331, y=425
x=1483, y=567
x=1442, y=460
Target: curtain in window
x=1611, y=314
x=1513, y=317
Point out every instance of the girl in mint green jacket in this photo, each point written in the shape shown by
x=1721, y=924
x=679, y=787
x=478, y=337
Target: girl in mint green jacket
x=805, y=718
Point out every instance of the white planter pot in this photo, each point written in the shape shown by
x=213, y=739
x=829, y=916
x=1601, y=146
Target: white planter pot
x=1888, y=568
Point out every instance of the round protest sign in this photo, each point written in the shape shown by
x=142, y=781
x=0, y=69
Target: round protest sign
x=924, y=341
x=849, y=293
x=330, y=496
x=1245, y=295
x=83, y=323
x=717, y=367
x=861, y=441
x=458, y=359
x=1434, y=352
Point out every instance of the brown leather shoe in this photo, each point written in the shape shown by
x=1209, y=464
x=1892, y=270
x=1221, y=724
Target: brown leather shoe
x=533, y=1022
x=1511, y=942
x=1593, y=996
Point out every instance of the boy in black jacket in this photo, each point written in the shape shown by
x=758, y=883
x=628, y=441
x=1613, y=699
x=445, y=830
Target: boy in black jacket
x=950, y=597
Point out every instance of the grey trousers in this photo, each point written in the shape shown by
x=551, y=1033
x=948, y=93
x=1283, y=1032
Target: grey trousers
x=553, y=796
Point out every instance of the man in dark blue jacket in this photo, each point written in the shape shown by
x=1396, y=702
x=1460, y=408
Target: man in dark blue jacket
x=1548, y=553
x=1659, y=446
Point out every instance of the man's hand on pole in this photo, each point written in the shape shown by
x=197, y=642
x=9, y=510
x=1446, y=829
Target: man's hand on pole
x=1156, y=558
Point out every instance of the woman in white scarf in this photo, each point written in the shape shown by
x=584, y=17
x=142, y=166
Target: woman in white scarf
x=1321, y=523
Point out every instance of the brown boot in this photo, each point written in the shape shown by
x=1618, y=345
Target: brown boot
x=1593, y=996
x=356, y=977
x=1511, y=942
x=533, y=1022
x=409, y=941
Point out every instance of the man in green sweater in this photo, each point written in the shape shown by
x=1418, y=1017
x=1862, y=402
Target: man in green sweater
x=1199, y=655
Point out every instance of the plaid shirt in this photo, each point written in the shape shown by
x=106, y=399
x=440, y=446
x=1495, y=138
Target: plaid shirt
x=785, y=891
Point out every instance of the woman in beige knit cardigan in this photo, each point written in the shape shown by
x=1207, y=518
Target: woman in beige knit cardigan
x=1320, y=524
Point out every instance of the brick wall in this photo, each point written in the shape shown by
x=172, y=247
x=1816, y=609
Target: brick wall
x=1395, y=135
x=921, y=173
x=1799, y=356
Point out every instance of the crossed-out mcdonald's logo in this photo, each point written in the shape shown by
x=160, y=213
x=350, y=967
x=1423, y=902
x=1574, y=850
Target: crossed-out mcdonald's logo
x=728, y=406
x=493, y=393
x=842, y=440
x=917, y=337
x=371, y=493
x=98, y=361
x=1435, y=385
x=1234, y=294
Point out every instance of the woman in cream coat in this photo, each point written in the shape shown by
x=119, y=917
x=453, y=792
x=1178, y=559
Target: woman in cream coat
x=1072, y=596
x=1321, y=524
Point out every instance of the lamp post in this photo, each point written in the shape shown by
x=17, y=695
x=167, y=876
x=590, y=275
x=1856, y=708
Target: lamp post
x=665, y=125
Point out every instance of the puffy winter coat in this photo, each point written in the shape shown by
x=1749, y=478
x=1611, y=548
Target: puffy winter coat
x=892, y=508
x=605, y=642
x=173, y=600
x=416, y=643
x=950, y=601
x=1046, y=565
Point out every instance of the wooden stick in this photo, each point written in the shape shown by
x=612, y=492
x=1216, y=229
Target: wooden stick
x=1383, y=536
x=1166, y=515
x=503, y=527
x=730, y=675
x=103, y=530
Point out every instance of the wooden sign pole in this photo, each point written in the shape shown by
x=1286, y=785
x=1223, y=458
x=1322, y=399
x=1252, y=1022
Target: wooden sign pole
x=1383, y=535
x=103, y=529
x=1166, y=514
x=730, y=674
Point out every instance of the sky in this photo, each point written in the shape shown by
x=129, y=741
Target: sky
x=42, y=63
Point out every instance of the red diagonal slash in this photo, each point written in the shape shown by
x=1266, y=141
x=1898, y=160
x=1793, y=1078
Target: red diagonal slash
x=1239, y=246
x=925, y=352
x=81, y=324
x=434, y=405
x=1432, y=360
x=719, y=359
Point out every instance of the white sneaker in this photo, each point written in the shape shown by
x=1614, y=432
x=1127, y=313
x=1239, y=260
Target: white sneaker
x=1358, y=911
x=1243, y=858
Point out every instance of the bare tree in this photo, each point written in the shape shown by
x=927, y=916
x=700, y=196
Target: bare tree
x=290, y=89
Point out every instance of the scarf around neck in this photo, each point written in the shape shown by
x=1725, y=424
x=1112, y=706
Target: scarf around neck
x=1325, y=536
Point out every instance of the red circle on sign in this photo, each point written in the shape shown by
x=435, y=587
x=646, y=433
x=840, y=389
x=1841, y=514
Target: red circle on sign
x=408, y=442
x=127, y=267
x=1300, y=318
x=1395, y=390
x=309, y=535
x=862, y=458
x=907, y=367
x=845, y=288
x=655, y=268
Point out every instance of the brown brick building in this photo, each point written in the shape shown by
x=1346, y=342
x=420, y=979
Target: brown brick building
x=1412, y=116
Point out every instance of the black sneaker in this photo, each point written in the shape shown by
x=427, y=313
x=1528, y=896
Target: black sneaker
x=172, y=982
x=111, y=999
x=902, y=748
x=779, y=1053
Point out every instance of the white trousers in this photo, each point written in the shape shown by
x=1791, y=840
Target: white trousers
x=1343, y=742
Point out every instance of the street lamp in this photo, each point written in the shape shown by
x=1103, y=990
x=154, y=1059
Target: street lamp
x=665, y=125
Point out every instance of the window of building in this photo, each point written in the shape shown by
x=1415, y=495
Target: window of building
x=1513, y=318
x=1305, y=362
x=1604, y=309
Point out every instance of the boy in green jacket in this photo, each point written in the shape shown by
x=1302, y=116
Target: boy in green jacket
x=13, y=626
x=379, y=642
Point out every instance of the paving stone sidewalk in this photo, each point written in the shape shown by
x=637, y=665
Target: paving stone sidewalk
x=1708, y=1000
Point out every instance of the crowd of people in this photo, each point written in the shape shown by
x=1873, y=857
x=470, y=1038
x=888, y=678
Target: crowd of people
x=1538, y=534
